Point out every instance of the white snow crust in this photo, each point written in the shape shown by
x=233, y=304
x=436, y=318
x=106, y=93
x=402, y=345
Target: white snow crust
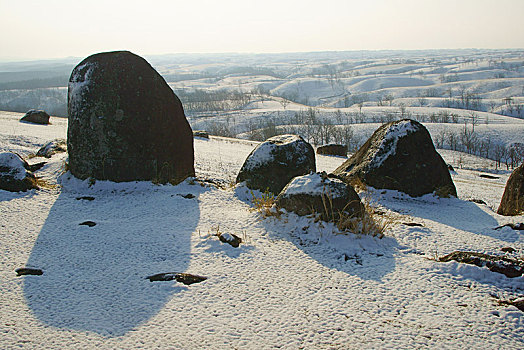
x=312, y=184
x=265, y=151
x=388, y=146
x=78, y=84
x=292, y=284
x=15, y=164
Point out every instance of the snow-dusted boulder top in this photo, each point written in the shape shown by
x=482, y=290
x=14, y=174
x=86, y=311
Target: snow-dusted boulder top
x=400, y=156
x=125, y=123
x=320, y=194
x=14, y=175
x=273, y=163
x=512, y=202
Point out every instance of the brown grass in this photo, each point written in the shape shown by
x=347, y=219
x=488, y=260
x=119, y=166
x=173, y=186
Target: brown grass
x=265, y=205
x=42, y=183
x=357, y=183
x=371, y=222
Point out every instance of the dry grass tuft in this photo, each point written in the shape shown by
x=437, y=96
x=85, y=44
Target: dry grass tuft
x=357, y=183
x=371, y=222
x=42, y=183
x=265, y=205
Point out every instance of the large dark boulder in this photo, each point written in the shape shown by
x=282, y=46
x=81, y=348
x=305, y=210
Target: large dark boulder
x=125, y=123
x=400, y=156
x=317, y=193
x=15, y=173
x=36, y=116
x=512, y=202
x=273, y=163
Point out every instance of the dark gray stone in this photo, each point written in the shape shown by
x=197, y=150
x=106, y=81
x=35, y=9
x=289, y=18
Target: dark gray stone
x=52, y=147
x=125, y=123
x=201, y=133
x=400, y=156
x=512, y=202
x=36, y=117
x=273, y=163
x=501, y=264
x=317, y=193
x=180, y=277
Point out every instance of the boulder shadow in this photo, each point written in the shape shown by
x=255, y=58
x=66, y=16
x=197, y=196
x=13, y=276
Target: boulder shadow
x=94, y=276
x=453, y=212
x=367, y=257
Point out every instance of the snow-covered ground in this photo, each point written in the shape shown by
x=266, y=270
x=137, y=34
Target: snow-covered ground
x=291, y=284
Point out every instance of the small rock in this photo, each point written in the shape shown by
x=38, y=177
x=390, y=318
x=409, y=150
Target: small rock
x=508, y=250
x=412, y=224
x=229, y=238
x=184, y=278
x=518, y=226
x=501, y=264
x=517, y=302
x=187, y=196
x=88, y=223
x=28, y=271
x=87, y=198
x=201, y=133
x=486, y=176
x=478, y=201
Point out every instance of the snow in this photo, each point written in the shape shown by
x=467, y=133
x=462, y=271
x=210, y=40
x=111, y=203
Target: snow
x=292, y=283
x=313, y=184
x=265, y=151
x=388, y=145
x=78, y=84
x=15, y=165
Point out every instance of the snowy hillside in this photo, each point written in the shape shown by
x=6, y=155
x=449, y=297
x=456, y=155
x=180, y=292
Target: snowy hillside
x=291, y=284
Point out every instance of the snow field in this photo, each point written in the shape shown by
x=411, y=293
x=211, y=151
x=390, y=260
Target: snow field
x=292, y=284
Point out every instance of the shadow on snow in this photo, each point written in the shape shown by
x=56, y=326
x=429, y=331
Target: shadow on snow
x=94, y=277
x=366, y=257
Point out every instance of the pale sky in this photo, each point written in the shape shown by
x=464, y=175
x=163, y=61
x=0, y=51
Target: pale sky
x=34, y=29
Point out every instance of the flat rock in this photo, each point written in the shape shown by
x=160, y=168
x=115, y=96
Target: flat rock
x=501, y=264
x=180, y=277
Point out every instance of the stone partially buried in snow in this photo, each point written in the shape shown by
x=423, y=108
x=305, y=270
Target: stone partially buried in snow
x=52, y=147
x=36, y=116
x=512, y=202
x=400, y=156
x=320, y=194
x=273, y=163
x=14, y=173
x=125, y=123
